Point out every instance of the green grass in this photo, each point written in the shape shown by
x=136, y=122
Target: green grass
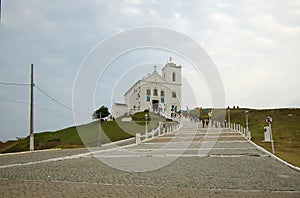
x=87, y=134
x=285, y=130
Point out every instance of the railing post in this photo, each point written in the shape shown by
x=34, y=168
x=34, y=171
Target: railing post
x=249, y=135
x=138, y=138
x=153, y=131
x=146, y=136
x=159, y=128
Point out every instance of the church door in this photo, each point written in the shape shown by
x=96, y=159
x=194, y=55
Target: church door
x=155, y=105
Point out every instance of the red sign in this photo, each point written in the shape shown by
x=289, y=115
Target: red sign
x=269, y=120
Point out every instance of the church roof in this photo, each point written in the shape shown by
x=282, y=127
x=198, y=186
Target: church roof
x=159, y=79
x=120, y=104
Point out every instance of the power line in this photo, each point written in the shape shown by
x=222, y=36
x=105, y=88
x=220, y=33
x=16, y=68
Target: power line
x=14, y=101
x=56, y=101
x=38, y=106
x=53, y=99
x=50, y=111
x=14, y=84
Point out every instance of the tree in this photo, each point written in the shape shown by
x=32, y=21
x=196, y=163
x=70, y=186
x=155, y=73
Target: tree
x=104, y=112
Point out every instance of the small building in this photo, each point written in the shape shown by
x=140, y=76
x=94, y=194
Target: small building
x=156, y=92
x=119, y=109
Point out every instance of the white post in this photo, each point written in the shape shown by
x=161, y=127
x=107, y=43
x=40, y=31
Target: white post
x=138, y=138
x=249, y=135
x=159, y=128
x=152, y=133
x=247, y=127
x=271, y=136
x=146, y=128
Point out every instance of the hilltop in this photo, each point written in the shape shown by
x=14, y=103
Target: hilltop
x=70, y=137
x=285, y=128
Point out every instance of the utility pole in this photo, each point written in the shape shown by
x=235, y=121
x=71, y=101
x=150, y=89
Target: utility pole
x=31, y=137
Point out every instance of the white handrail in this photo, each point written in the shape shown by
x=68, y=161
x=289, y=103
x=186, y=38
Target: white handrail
x=160, y=130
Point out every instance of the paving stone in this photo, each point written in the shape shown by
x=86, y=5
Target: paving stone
x=230, y=169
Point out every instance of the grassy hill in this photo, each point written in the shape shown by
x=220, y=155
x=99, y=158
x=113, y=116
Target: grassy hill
x=86, y=135
x=285, y=130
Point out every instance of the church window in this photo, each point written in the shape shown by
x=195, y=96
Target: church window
x=148, y=93
x=162, y=97
x=173, y=94
x=173, y=76
x=172, y=107
x=155, y=92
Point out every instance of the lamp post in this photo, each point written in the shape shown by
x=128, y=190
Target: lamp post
x=228, y=118
x=146, y=117
x=246, y=114
x=99, y=132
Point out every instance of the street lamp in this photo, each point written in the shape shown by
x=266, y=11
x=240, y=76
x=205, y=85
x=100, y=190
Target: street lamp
x=146, y=117
x=99, y=132
x=246, y=113
x=228, y=118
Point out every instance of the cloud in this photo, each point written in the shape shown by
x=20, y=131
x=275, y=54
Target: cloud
x=253, y=43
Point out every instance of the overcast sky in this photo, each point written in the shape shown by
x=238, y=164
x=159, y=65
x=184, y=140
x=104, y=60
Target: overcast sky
x=255, y=46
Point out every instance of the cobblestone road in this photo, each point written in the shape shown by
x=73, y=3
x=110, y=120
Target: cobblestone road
x=233, y=167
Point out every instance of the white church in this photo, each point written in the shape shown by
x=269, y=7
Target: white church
x=156, y=92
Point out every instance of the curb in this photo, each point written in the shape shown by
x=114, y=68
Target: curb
x=275, y=157
x=35, y=151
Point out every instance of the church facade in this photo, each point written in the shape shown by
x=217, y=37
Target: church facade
x=155, y=92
